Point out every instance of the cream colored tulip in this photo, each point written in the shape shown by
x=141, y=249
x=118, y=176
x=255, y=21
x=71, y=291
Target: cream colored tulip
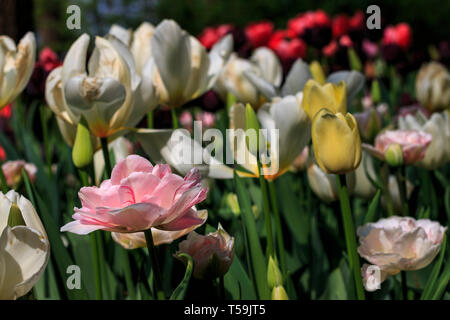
x=399, y=244
x=103, y=96
x=16, y=66
x=433, y=86
x=141, y=45
x=185, y=69
x=438, y=125
x=237, y=75
x=24, y=249
x=358, y=184
x=285, y=115
x=137, y=240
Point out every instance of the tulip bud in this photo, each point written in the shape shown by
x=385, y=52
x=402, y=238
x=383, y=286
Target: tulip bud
x=375, y=92
x=330, y=96
x=15, y=217
x=394, y=155
x=317, y=72
x=82, y=152
x=355, y=62
x=274, y=277
x=232, y=201
x=278, y=293
x=252, y=123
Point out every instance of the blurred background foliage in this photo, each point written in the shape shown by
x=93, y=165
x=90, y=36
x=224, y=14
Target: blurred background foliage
x=429, y=19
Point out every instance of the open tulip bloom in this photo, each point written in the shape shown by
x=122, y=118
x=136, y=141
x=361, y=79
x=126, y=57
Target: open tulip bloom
x=322, y=149
x=138, y=197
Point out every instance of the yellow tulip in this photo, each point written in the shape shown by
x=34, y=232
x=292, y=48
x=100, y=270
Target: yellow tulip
x=317, y=72
x=330, y=96
x=336, y=142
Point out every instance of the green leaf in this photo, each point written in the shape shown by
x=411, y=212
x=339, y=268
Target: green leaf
x=180, y=291
x=258, y=260
x=426, y=294
x=370, y=217
x=238, y=283
x=58, y=251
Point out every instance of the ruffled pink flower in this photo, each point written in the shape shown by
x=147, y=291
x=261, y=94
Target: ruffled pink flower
x=140, y=196
x=395, y=244
x=13, y=171
x=412, y=142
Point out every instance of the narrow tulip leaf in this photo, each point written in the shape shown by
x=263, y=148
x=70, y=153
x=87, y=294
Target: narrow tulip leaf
x=58, y=251
x=258, y=261
x=442, y=283
x=180, y=291
x=238, y=283
x=428, y=290
x=370, y=217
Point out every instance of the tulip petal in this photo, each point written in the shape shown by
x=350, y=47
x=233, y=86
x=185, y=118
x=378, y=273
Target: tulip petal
x=296, y=78
x=171, y=48
x=133, y=163
x=25, y=255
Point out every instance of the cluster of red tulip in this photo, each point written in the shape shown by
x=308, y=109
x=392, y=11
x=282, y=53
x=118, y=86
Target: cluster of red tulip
x=317, y=33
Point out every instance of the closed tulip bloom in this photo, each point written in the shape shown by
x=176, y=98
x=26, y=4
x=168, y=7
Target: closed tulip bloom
x=433, y=86
x=212, y=254
x=24, y=246
x=140, y=196
x=336, y=142
x=330, y=96
x=438, y=125
x=13, y=172
x=322, y=184
x=185, y=69
x=411, y=143
x=400, y=244
x=16, y=66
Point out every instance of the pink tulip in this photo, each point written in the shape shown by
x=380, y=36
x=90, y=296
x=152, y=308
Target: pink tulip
x=212, y=254
x=412, y=143
x=13, y=170
x=138, y=197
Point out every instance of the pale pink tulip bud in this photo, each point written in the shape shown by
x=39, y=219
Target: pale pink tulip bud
x=212, y=254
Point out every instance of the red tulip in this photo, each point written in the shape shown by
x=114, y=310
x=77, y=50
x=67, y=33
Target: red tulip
x=6, y=112
x=340, y=25
x=357, y=21
x=286, y=46
x=259, y=33
x=308, y=20
x=210, y=36
x=399, y=35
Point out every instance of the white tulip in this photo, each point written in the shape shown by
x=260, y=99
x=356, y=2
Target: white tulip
x=24, y=249
x=438, y=125
x=185, y=69
x=16, y=66
x=238, y=74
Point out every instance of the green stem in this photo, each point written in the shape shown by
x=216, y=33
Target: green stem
x=350, y=238
x=404, y=285
x=386, y=190
x=155, y=265
x=175, y=124
x=94, y=247
x=267, y=217
x=3, y=180
x=222, y=288
x=276, y=212
x=101, y=252
x=401, y=181
x=127, y=271
x=150, y=119
x=48, y=160
x=105, y=150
